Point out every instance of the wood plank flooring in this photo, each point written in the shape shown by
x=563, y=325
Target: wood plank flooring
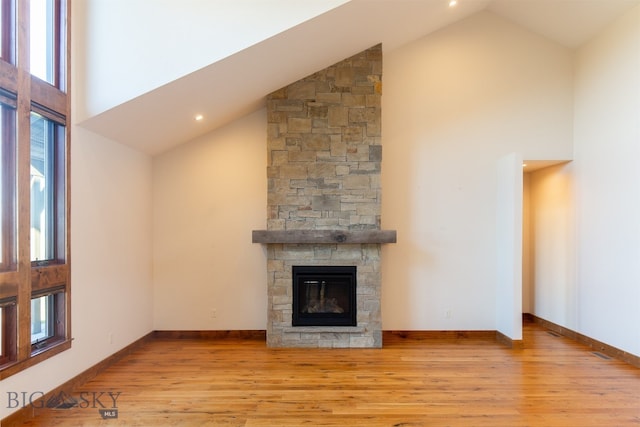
x=553, y=381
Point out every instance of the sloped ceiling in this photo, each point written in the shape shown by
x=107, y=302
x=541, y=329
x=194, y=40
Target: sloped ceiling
x=230, y=88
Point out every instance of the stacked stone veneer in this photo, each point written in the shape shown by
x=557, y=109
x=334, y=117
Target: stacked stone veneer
x=324, y=157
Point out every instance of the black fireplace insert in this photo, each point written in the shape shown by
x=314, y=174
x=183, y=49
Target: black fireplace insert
x=324, y=296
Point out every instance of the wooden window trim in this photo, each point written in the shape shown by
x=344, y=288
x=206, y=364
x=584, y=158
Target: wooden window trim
x=9, y=343
x=7, y=47
x=8, y=259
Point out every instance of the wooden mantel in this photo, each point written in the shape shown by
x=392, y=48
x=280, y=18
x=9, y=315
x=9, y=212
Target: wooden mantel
x=324, y=236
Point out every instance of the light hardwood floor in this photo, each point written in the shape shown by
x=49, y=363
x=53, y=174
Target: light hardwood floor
x=553, y=381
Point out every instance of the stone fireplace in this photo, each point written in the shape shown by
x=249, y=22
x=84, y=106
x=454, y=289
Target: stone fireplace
x=324, y=159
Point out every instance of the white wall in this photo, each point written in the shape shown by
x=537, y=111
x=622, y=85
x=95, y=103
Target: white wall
x=527, y=255
x=607, y=177
x=111, y=245
x=509, y=227
x=453, y=104
x=208, y=195
x=110, y=260
x=139, y=45
x=554, y=289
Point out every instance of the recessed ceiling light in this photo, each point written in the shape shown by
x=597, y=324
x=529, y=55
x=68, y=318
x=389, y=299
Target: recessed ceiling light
x=524, y=165
x=199, y=117
x=453, y=3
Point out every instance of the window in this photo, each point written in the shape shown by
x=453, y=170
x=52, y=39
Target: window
x=41, y=319
x=8, y=185
x=46, y=321
x=46, y=60
x=35, y=274
x=46, y=139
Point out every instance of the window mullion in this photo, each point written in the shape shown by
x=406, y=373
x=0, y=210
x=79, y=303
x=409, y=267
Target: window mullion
x=58, y=34
x=23, y=107
x=24, y=207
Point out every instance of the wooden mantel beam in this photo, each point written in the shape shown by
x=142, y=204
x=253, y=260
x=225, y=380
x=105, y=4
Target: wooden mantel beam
x=324, y=236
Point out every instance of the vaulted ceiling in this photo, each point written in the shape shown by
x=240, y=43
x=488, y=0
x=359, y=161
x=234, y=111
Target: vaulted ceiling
x=236, y=85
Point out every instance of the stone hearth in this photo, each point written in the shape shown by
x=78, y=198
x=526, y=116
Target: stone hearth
x=324, y=157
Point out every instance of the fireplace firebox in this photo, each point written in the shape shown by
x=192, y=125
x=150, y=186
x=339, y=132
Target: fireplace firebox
x=324, y=296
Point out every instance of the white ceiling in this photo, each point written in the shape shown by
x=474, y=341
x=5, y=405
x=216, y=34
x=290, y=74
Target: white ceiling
x=529, y=166
x=230, y=88
x=568, y=22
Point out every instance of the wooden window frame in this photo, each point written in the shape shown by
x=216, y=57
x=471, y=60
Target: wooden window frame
x=8, y=177
x=57, y=319
x=25, y=279
x=59, y=181
x=8, y=321
x=7, y=47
